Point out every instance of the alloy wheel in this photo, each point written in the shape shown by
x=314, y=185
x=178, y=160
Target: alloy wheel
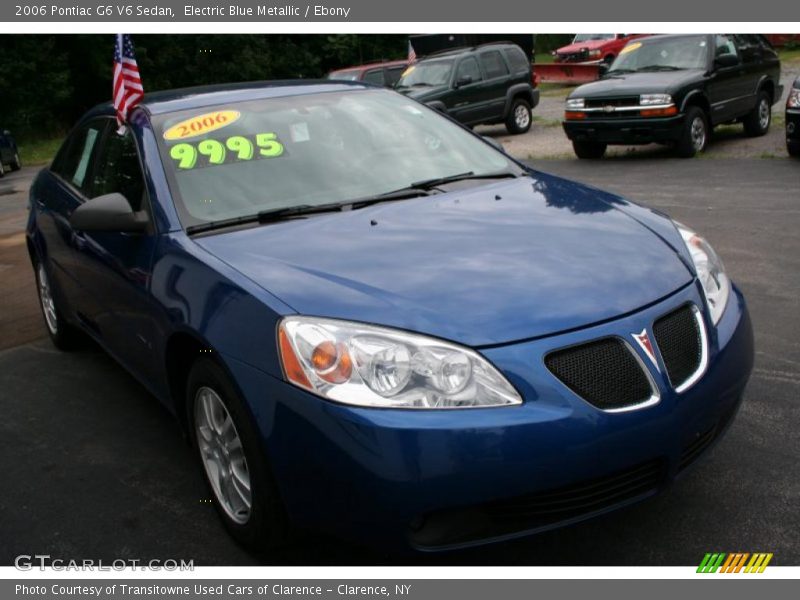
x=521, y=116
x=698, y=133
x=764, y=113
x=222, y=455
x=48, y=304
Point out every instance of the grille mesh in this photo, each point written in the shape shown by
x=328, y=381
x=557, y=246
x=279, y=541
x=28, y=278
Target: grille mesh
x=678, y=337
x=602, y=372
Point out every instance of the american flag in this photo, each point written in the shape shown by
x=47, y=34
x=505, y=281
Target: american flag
x=128, y=90
x=412, y=56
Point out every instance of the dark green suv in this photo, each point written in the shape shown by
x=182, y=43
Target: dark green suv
x=482, y=85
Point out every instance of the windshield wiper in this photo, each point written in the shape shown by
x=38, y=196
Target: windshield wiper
x=427, y=184
x=659, y=68
x=265, y=216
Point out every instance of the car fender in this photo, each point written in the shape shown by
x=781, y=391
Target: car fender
x=523, y=89
x=691, y=95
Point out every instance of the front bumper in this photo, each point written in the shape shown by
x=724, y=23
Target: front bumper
x=793, y=125
x=619, y=130
x=396, y=478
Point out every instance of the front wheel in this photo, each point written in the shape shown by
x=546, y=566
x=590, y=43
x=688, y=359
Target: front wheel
x=16, y=164
x=588, y=150
x=757, y=122
x=63, y=335
x=519, y=117
x=2, y=169
x=234, y=464
x=694, y=137
x=793, y=148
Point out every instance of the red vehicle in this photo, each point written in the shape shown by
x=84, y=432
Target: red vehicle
x=594, y=48
x=381, y=73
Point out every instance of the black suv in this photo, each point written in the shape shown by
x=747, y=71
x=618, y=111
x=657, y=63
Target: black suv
x=675, y=89
x=793, y=120
x=481, y=85
x=9, y=155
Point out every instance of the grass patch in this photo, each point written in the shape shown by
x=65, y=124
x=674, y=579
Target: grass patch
x=39, y=152
x=543, y=58
x=544, y=122
x=789, y=56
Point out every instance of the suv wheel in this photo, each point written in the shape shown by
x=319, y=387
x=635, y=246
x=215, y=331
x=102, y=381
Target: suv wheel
x=694, y=138
x=757, y=122
x=16, y=164
x=590, y=150
x=235, y=467
x=519, y=117
x=2, y=169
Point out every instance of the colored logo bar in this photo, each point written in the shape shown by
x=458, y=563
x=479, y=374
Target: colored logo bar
x=735, y=562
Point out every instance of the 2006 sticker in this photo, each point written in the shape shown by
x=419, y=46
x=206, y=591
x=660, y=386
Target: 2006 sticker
x=205, y=123
x=234, y=148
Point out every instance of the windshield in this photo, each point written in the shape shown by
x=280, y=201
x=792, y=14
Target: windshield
x=663, y=54
x=428, y=73
x=588, y=37
x=239, y=159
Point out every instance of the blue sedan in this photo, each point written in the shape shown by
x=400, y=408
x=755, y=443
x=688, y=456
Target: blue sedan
x=372, y=322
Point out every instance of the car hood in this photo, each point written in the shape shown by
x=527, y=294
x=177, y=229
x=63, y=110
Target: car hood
x=637, y=83
x=577, y=47
x=480, y=265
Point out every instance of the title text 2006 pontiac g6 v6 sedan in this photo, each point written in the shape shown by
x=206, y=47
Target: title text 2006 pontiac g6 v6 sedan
x=373, y=322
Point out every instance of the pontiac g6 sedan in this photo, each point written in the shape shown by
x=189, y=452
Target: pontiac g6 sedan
x=373, y=322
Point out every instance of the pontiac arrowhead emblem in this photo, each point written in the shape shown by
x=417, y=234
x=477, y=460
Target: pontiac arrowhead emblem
x=645, y=344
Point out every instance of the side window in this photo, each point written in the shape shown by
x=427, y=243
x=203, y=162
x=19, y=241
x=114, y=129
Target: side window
x=375, y=76
x=469, y=68
x=76, y=157
x=724, y=45
x=516, y=59
x=118, y=170
x=393, y=75
x=493, y=64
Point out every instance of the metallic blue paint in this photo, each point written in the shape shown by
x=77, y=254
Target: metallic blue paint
x=548, y=264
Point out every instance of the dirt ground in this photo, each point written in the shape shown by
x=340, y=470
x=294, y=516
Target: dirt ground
x=546, y=137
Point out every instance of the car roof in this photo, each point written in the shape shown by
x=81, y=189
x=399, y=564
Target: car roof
x=162, y=102
x=466, y=50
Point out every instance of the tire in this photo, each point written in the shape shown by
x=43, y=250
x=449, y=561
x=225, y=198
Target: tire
x=589, y=150
x=519, y=117
x=793, y=148
x=211, y=398
x=63, y=335
x=695, y=134
x=757, y=121
x=2, y=169
x=16, y=164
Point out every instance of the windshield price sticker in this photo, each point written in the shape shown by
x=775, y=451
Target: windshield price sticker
x=631, y=47
x=201, y=124
x=236, y=148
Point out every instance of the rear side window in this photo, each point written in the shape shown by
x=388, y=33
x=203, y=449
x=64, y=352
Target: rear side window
x=76, y=157
x=468, y=68
x=118, y=170
x=515, y=57
x=393, y=75
x=724, y=45
x=375, y=77
x=493, y=64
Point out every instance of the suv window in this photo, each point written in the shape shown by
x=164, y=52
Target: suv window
x=724, y=45
x=75, y=159
x=515, y=57
x=393, y=74
x=493, y=64
x=469, y=68
x=118, y=170
x=375, y=76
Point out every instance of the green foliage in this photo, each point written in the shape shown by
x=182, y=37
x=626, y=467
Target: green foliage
x=48, y=81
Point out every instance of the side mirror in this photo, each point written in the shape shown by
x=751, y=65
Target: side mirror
x=462, y=81
x=110, y=212
x=493, y=142
x=726, y=60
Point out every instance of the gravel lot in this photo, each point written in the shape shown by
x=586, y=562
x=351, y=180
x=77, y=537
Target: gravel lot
x=94, y=467
x=546, y=138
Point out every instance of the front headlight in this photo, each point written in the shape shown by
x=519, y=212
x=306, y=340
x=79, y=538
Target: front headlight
x=365, y=365
x=710, y=271
x=595, y=53
x=654, y=99
x=793, y=101
x=576, y=103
